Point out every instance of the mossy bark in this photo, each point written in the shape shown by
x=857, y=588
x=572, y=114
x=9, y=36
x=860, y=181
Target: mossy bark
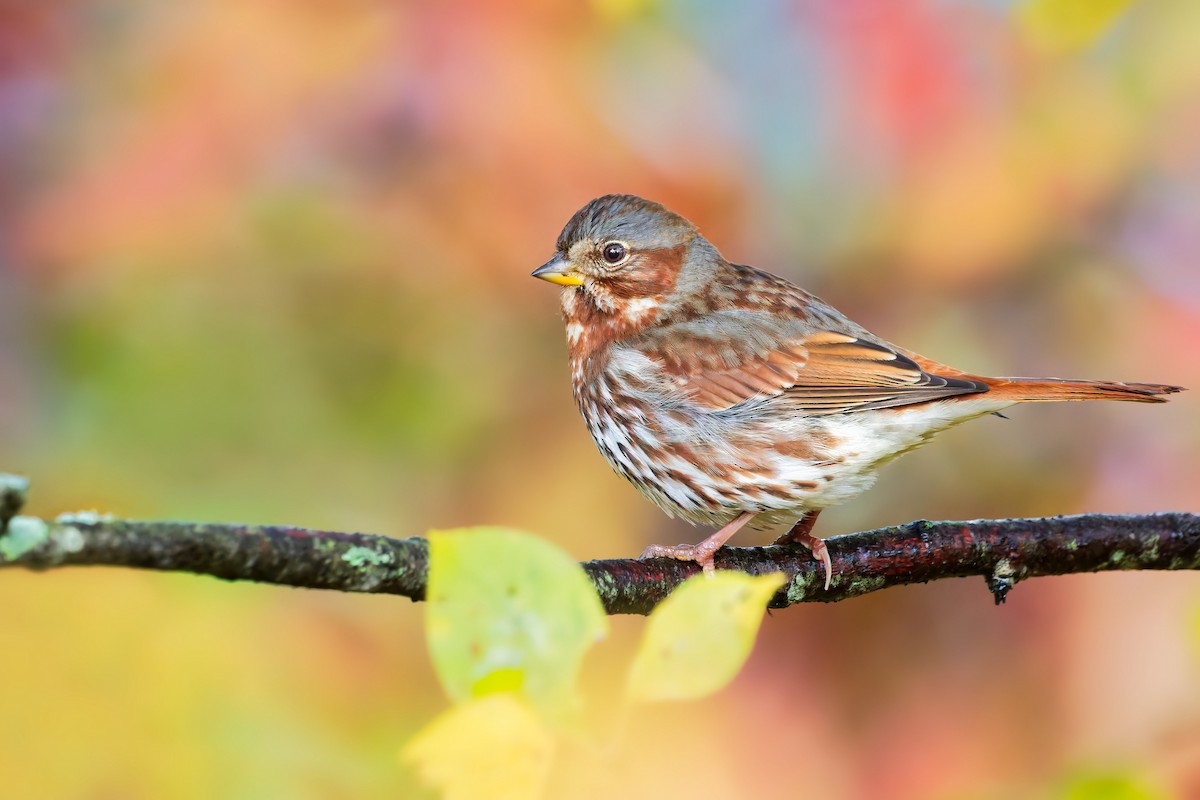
x=1004, y=552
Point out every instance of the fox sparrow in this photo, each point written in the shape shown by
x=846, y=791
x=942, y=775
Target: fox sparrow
x=729, y=396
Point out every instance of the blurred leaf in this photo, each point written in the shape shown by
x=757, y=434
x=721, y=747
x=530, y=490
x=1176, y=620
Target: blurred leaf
x=1068, y=25
x=1111, y=786
x=699, y=637
x=623, y=11
x=494, y=746
x=507, y=612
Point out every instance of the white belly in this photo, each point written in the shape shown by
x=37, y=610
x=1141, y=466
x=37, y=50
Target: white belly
x=708, y=468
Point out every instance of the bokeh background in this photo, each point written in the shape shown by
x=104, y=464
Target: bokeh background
x=268, y=261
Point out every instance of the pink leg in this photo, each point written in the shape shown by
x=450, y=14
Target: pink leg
x=802, y=532
x=701, y=553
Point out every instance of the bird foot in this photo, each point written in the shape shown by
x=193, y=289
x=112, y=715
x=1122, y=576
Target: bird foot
x=816, y=545
x=684, y=552
x=701, y=553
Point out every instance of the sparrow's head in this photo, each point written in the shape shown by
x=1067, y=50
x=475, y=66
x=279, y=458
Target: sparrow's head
x=622, y=253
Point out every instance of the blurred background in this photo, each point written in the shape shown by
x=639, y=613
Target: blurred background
x=269, y=262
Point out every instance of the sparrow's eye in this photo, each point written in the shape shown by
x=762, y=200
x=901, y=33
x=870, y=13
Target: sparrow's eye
x=614, y=253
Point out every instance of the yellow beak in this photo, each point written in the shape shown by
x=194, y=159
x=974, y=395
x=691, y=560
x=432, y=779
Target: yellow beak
x=559, y=270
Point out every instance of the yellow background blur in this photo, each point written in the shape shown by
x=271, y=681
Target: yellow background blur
x=269, y=261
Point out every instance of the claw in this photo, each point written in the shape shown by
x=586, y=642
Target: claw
x=816, y=546
x=801, y=532
x=821, y=552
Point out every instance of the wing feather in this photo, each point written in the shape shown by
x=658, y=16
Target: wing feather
x=824, y=372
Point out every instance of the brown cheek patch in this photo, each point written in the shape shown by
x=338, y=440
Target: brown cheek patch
x=652, y=277
x=653, y=274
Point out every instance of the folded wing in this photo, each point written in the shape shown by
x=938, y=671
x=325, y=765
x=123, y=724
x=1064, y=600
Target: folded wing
x=825, y=372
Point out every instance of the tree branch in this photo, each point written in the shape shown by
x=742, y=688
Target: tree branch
x=1004, y=552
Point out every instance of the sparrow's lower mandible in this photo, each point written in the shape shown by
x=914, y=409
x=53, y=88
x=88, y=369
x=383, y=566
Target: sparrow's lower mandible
x=729, y=396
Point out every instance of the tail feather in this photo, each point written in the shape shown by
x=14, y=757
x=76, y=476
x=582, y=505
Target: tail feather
x=1032, y=390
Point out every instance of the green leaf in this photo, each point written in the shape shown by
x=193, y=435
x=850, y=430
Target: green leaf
x=494, y=746
x=1068, y=25
x=699, y=637
x=508, y=612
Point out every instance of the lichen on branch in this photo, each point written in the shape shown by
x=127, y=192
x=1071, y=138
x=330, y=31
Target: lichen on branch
x=1003, y=552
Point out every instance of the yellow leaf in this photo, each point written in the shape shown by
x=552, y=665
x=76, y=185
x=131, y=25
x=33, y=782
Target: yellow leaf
x=494, y=746
x=1068, y=25
x=699, y=637
x=507, y=611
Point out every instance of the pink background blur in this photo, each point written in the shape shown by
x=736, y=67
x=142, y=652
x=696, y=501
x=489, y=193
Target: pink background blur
x=269, y=261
